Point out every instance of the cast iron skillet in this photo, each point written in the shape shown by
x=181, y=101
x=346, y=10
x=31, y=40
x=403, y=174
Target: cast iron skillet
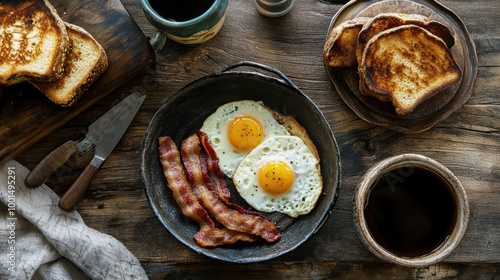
x=184, y=113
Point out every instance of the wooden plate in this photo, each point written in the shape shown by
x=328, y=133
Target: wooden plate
x=431, y=111
x=26, y=115
x=185, y=112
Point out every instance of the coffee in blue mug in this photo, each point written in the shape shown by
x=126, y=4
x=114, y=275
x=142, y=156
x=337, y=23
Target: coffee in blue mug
x=186, y=21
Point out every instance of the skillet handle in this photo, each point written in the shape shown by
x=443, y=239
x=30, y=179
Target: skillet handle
x=246, y=63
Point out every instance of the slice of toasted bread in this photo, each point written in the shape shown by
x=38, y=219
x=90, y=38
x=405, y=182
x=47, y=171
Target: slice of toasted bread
x=33, y=42
x=364, y=90
x=340, y=47
x=386, y=21
x=408, y=64
x=87, y=60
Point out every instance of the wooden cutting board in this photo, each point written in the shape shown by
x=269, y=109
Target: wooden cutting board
x=27, y=116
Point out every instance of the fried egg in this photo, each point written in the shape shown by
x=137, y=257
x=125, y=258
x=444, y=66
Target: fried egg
x=281, y=174
x=236, y=128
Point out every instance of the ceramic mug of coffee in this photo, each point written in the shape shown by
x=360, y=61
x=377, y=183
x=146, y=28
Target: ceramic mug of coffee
x=410, y=210
x=186, y=21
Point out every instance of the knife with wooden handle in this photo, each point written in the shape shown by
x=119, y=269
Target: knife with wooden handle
x=75, y=193
x=110, y=137
x=104, y=134
x=95, y=134
x=50, y=164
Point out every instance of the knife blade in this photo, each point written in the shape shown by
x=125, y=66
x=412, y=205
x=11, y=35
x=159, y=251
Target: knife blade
x=110, y=137
x=63, y=153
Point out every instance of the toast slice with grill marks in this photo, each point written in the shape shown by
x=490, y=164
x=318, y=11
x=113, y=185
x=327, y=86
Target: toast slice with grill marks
x=407, y=64
x=33, y=42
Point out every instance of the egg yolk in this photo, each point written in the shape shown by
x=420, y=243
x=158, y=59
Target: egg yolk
x=276, y=177
x=245, y=133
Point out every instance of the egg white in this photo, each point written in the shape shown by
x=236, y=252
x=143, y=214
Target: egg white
x=216, y=126
x=301, y=198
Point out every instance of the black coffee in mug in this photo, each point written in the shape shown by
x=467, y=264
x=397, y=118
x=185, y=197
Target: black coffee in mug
x=181, y=10
x=410, y=211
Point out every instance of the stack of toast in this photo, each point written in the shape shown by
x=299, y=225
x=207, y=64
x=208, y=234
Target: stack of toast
x=60, y=59
x=400, y=58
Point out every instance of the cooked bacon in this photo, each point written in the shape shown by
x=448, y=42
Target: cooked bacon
x=209, y=235
x=177, y=182
x=196, y=171
x=214, y=163
x=217, y=176
x=213, y=237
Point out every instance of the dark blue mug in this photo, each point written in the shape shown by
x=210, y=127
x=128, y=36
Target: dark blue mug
x=192, y=31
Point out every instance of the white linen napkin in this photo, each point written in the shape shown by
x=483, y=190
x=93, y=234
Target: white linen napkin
x=40, y=241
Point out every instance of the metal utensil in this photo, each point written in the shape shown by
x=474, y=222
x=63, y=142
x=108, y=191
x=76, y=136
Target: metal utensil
x=103, y=134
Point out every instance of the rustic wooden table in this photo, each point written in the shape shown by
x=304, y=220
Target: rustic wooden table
x=467, y=142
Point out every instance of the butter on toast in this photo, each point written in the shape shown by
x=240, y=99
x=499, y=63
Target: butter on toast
x=340, y=47
x=408, y=65
x=87, y=60
x=386, y=21
x=33, y=42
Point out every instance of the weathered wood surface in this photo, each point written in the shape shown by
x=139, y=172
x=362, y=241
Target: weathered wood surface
x=27, y=116
x=467, y=142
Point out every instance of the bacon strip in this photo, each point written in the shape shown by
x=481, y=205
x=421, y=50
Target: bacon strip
x=177, y=182
x=217, y=176
x=209, y=235
x=214, y=163
x=214, y=237
x=196, y=171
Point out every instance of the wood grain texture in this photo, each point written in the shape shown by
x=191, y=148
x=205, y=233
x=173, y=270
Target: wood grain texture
x=467, y=142
x=26, y=115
